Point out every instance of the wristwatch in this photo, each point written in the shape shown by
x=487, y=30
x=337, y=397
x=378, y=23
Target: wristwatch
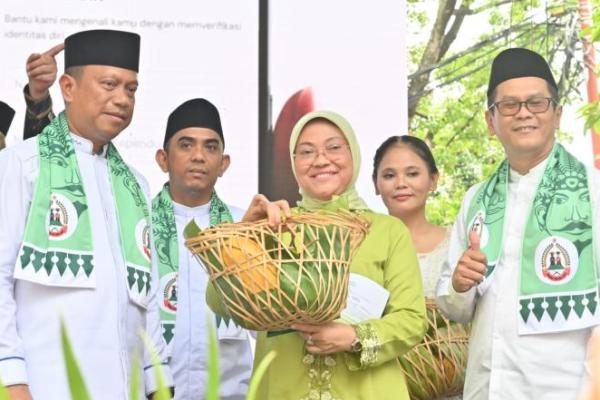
x=356, y=346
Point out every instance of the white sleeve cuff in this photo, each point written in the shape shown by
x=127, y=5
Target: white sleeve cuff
x=150, y=381
x=13, y=371
x=456, y=306
x=467, y=296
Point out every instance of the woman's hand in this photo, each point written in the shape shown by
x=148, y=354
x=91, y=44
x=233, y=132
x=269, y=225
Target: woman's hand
x=273, y=211
x=333, y=337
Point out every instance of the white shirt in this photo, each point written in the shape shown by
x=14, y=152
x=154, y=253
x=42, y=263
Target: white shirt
x=431, y=265
x=103, y=324
x=503, y=364
x=189, y=359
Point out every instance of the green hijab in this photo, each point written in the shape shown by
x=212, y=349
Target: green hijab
x=349, y=199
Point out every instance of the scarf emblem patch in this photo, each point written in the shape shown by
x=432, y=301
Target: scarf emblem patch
x=556, y=260
x=142, y=238
x=169, y=283
x=61, y=218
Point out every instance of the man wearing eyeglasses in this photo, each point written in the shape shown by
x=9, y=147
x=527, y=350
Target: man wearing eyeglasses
x=527, y=279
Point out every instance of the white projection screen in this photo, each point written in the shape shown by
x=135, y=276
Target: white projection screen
x=339, y=55
x=346, y=56
x=189, y=48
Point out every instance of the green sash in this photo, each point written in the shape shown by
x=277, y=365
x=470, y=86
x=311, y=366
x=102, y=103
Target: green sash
x=164, y=232
x=58, y=249
x=558, y=288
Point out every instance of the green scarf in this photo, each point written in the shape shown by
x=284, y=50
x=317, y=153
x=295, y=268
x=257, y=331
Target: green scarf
x=558, y=288
x=58, y=249
x=349, y=199
x=164, y=232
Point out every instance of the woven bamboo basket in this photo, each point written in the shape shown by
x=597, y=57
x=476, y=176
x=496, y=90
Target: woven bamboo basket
x=270, y=278
x=435, y=368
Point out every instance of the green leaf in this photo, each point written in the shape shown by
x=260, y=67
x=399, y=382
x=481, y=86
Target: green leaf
x=596, y=29
x=134, y=389
x=212, y=386
x=299, y=242
x=162, y=392
x=258, y=373
x=286, y=238
x=191, y=230
x=591, y=114
x=3, y=392
x=76, y=383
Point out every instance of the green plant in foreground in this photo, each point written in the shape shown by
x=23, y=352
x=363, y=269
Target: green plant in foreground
x=212, y=386
x=3, y=392
x=76, y=382
x=163, y=392
x=258, y=373
x=79, y=390
x=134, y=390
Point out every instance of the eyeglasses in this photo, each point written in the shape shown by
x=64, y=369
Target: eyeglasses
x=535, y=105
x=307, y=153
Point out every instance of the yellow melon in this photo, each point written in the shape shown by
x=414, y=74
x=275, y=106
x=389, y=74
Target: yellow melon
x=252, y=265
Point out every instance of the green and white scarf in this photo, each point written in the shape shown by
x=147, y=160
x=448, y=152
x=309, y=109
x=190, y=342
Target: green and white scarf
x=58, y=248
x=164, y=232
x=558, y=289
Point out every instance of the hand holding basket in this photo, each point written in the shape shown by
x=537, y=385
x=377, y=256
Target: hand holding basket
x=270, y=278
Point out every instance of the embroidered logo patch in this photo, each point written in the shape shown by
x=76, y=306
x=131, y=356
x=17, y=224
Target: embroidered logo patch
x=168, y=286
x=61, y=220
x=556, y=260
x=142, y=238
x=477, y=225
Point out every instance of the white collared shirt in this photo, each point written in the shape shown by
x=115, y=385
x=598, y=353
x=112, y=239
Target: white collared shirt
x=503, y=364
x=102, y=323
x=189, y=358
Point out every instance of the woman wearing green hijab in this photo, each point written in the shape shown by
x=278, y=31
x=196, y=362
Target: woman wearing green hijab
x=335, y=360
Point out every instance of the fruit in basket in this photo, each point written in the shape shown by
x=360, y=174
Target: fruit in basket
x=306, y=279
x=254, y=266
x=298, y=285
x=435, y=367
x=269, y=279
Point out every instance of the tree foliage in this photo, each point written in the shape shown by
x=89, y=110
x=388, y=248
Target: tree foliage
x=591, y=112
x=450, y=72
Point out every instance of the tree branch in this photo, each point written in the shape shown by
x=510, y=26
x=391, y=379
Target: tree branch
x=464, y=127
x=429, y=88
x=491, y=51
x=482, y=43
x=492, y=4
x=459, y=17
x=431, y=55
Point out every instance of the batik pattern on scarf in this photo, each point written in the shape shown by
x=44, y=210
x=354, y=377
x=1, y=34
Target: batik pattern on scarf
x=57, y=248
x=133, y=216
x=558, y=289
x=164, y=230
